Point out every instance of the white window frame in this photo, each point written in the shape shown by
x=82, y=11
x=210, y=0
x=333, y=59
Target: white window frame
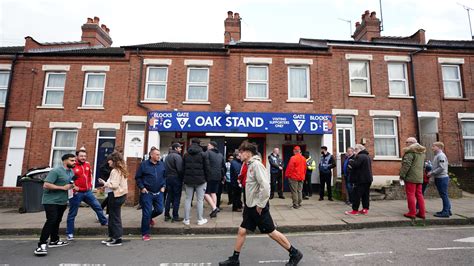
x=367, y=64
x=86, y=89
x=458, y=67
x=345, y=127
x=395, y=129
x=197, y=84
x=265, y=82
x=46, y=89
x=6, y=86
x=308, y=85
x=53, y=148
x=466, y=137
x=405, y=80
x=148, y=82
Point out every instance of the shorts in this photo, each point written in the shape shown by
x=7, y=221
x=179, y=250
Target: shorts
x=263, y=221
x=212, y=186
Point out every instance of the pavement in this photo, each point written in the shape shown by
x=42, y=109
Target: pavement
x=314, y=215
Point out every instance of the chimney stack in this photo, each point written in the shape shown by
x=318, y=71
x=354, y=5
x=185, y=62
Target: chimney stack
x=95, y=34
x=232, y=29
x=368, y=28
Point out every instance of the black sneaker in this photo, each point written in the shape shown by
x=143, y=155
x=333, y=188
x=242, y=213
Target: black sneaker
x=42, y=250
x=295, y=258
x=177, y=219
x=115, y=242
x=231, y=261
x=110, y=240
x=213, y=214
x=167, y=218
x=58, y=243
x=281, y=197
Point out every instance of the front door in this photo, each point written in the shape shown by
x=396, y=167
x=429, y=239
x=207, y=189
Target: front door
x=105, y=146
x=16, y=151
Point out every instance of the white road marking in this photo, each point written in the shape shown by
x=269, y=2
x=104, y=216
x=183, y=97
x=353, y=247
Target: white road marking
x=467, y=240
x=186, y=264
x=449, y=248
x=272, y=261
x=367, y=254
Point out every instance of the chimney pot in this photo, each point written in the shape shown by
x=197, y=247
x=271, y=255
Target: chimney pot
x=107, y=30
x=89, y=20
x=230, y=14
x=103, y=27
x=236, y=16
x=96, y=20
x=357, y=24
x=373, y=15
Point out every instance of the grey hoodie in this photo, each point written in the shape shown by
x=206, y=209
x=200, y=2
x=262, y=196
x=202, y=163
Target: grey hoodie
x=440, y=165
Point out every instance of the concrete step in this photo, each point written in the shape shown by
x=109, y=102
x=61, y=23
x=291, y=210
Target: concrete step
x=374, y=195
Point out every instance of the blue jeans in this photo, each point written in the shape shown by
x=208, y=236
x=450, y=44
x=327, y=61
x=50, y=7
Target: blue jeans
x=349, y=189
x=174, y=186
x=442, y=186
x=152, y=206
x=74, y=204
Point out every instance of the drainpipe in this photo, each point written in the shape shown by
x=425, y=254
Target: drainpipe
x=7, y=98
x=413, y=83
x=139, y=97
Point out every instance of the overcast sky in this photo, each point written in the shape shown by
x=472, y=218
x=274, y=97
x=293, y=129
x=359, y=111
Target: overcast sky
x=139, y=21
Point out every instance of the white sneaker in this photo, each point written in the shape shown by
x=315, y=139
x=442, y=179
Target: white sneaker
x=203, y=221
x=42, y=250
x=70, y=237
x=186, y=222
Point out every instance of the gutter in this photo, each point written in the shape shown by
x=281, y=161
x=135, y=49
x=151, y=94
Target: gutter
x=7, y=98
x=415, y=102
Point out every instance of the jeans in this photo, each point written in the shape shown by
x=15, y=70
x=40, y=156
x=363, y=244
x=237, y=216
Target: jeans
x=174, y=186
x=414, y=197
x=115, y=215
x=325, y=179
x=276, y=184
x=54, y=215
x=349, y=189
x=296, y=188
x=307, y=186
x=236, y=198
x=361, y=192
x=74, y=204
x=200, y=190
x=442, y=186
x=152, y=206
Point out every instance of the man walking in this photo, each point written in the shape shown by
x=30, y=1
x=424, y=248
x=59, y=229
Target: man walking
x=196, y=171
x=257, y=209
x=326, y=165
x=174, y=181
x=412, y=173
x=55, y=196
x=296, y=173
x=216, y=175
x=307, y=185
x=150, y=178
x=82, y=192
x=276, y=170
x=440, y=173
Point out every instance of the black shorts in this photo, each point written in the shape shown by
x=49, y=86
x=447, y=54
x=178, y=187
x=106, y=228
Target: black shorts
x=263, y=221
x=212, y=186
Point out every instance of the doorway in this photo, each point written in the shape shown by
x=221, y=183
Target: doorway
x=16, y=151
x=105, y=146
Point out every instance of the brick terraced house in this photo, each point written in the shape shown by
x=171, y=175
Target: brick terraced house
x=374, y=90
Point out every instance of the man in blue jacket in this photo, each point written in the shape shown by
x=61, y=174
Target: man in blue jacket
x=150, y=179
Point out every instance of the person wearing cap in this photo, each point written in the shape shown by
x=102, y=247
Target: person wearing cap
x=296, y=173
x=174, y=181
x=327, y=163
x=216, y=176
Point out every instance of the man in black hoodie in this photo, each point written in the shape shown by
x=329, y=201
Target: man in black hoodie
x=360, y=174
x=216, y=176
x=196, y=170
x=174, y=181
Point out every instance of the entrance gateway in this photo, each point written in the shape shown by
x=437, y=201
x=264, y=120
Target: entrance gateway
x=268, y=130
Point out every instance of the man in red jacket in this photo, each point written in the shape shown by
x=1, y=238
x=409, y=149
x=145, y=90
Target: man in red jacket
x=82, y=192
x=296, y=172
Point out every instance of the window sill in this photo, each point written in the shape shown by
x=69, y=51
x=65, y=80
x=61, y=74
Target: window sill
x=362, y=95
x=387, y=159
x=400, y=97
x=154, y=101
x=2, y=106
x=196, y=102
x=50, y=107
x=455, y=99
x=298, y=101
x=90, y=108
x=257, y=100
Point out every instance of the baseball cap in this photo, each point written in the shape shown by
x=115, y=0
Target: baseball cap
x=297, y=148
x=213, y=143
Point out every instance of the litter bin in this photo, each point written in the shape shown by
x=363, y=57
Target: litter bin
x=32, y=184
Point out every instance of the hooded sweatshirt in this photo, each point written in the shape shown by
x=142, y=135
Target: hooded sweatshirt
x=412, y=164
x=257, y=187
x=196, y=166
